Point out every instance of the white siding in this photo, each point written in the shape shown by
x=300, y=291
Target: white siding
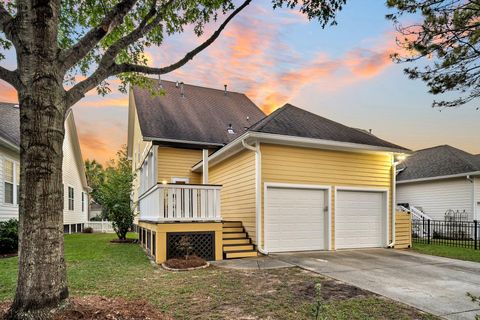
x=72, y=178
x=7, y=211
x=436, y=197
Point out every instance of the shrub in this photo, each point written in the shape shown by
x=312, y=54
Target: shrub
x=88, y=230
x=9, y=236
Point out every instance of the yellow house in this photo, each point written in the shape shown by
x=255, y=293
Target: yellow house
x=213, y=168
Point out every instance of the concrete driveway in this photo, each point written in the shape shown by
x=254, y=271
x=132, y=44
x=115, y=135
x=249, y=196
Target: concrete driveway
x=433, y=284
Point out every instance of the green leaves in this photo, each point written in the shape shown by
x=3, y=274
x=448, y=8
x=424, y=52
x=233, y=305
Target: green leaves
x=114, y=193
x=448, y=39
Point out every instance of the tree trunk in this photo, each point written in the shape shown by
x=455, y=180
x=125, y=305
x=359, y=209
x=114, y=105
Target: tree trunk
x=42, y=279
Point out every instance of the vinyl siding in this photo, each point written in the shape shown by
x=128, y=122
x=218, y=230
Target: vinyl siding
x=178, y=162
x=72, y=178
x=436, y=197
x=7, y=211
x=295, y=165
x=237, y=177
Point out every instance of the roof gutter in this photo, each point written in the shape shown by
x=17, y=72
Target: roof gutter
x=473, y=173
x=183, y=141
x=9, y=145
x=297, y=142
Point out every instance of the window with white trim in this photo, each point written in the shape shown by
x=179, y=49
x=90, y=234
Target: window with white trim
x=71, y=199
x=84, y=198
x=8, y=183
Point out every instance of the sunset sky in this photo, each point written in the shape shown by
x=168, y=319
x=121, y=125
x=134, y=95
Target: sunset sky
x=342, y=72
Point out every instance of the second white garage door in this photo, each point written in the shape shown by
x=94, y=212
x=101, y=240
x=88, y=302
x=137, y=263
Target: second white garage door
x=360, y=219
x=295, y=219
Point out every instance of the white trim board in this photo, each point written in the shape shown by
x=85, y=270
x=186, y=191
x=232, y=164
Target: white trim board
x=327, y=188
x=386, y=192
x=473, y=173
x=236, y=145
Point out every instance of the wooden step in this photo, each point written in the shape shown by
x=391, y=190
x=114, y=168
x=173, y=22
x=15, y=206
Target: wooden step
x=240, y=254
x=232, y=224
x=238, y=247
x=233, y=235
x=233, y=229
x=236, y=241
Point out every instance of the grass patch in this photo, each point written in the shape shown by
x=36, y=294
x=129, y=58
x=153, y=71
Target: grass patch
x=97, y=267
x=447, y=251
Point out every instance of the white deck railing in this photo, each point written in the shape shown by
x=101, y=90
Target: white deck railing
x=180, y=202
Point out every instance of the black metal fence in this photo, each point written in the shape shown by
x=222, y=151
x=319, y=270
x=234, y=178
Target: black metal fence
x=465, y=234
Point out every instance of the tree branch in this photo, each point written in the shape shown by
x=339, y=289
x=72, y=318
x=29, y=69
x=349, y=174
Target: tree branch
x=6, y=22
x=126, y=67
x=72, y=56
x=106, y=69
x=10, y=76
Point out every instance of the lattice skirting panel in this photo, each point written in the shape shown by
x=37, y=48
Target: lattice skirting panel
x=201, y=244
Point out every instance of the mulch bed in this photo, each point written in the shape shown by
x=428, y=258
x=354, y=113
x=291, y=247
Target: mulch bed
x=101, y=308
x=8, y=255
x=124, y=241
x=192, y=262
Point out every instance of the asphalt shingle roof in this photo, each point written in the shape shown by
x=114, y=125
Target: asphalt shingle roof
x=10, y=123
x=293, y=121
x=201, y=115
x=438, y=161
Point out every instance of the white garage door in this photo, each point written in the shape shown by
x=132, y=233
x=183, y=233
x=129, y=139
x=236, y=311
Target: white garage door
x=295, y=219
x=360, y=219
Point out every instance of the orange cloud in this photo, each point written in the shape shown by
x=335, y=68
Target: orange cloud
x=252, y=57
x=8, y=93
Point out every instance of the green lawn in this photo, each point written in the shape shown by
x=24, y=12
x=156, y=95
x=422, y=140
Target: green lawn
x=97, y=267
x=447, y=251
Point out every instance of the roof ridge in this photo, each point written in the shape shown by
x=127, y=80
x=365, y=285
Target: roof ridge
x=460, y=154
x=198, y=86
x=270, y=117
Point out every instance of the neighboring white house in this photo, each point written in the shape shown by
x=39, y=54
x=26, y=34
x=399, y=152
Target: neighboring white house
x=74, y=179
x=439, y=179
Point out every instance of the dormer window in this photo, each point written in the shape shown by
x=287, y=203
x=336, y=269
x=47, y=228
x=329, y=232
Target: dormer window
x=230, y=129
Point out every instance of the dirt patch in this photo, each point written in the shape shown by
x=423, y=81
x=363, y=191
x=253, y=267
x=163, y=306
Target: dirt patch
x=100, y=308
x=330, y=289
x=192, y=262
x=8, y=255
x=124, y=241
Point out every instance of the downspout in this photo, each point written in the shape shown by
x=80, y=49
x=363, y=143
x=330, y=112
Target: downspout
x=394, y=200
x=258, y=189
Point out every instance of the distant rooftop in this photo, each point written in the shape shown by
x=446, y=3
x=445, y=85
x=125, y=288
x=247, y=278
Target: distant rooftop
x=438, y=161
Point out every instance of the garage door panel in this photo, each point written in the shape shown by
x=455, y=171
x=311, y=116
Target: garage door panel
x=295, y=219
x=359, y=219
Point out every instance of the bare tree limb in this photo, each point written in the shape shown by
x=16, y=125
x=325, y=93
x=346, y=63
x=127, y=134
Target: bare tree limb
x=10, y=76
x=113, y=18
x=126, y=67
x=106, y=70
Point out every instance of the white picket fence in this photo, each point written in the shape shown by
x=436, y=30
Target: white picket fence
x=100, y=226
